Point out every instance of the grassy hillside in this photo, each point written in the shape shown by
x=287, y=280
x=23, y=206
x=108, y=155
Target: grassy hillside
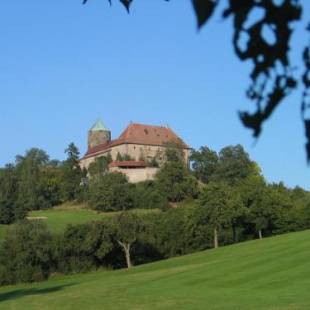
x=2, y=230
x=57, y=219
x=270, y=274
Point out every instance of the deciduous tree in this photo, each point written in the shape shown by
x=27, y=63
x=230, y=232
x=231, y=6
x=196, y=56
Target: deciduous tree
x=72, y=174
x=222, y=207
x=128, y=229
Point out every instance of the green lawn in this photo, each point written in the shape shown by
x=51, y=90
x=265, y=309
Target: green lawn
x=273, y=273
x=2, y=230
x=57, y=219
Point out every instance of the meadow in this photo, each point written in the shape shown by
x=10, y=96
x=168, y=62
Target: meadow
x=2, y=230
x=58, y=218
x=273, y=273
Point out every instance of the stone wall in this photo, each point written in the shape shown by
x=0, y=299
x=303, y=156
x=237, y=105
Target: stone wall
x=136, y=175
x=137, y=152
x=98, y=137
x=145, y=152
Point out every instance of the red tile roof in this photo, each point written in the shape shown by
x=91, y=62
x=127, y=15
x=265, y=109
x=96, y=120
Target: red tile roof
x=140, y=134
x=150, y=135
x=127, y=163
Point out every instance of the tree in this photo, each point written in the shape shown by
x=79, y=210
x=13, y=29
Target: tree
x=252, y=190
x=260, y=209
x=100, y=166
x=49, y=187
x=72, y=174
x=128, y=229
x=222, y=206
x=33, y=183
x=26, y=253
x=8, y=194
x=204, y=163
x=271, y=210
x=83, y=247
x=234, y=165
x=272, y=77
x=175, y=182
x=146, y=195
x=110, y=192
x=287, y=214
x=29, y=173
x=174, y=152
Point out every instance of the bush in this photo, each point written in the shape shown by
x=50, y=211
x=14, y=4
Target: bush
x=110, y=192
x=175, y=183
x=6, y=213
x=84, y=247
x=26, y=253
x=145, y=195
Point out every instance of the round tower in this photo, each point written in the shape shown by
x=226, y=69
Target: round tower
x=98, y=134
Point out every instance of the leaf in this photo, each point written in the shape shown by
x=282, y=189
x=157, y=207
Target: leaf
x=126, y=3
x=203, y=9
x=110, y=1
x=307, y=132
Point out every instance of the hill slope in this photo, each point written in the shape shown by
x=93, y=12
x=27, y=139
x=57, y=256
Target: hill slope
x=270, y=274
x=58, y=218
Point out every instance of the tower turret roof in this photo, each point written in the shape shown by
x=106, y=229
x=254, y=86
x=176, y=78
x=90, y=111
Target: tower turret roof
x=99, y=125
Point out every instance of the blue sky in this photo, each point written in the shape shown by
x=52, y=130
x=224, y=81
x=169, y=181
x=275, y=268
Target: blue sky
x=64, y=65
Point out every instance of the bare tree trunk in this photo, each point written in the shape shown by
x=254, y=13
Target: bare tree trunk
x=127, y=254
x=260, y=235
x=216, y=241
x=126, y=249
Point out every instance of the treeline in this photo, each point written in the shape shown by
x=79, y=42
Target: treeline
x=29, y=252
x=35, y=182
x=221, y=199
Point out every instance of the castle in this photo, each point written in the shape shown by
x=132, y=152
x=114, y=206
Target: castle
x=135, y=151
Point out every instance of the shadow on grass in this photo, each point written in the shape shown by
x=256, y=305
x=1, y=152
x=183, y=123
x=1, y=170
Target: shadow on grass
x=31, y=291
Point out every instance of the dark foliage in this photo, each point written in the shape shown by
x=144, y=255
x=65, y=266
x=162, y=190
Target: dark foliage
x=231, y=165
x=84, y=247
x=100, y=166
x=234, y=203
x=35, y=182
x=146, y=195
x=29, y=253
x=26, y=253
x=72, y=174
x=175, y=183
x=110, y=192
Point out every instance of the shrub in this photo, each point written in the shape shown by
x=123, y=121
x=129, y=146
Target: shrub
x=110, y=192
x=145, y=195
x=175, y=182
x=26, y=253
x=84, y=247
